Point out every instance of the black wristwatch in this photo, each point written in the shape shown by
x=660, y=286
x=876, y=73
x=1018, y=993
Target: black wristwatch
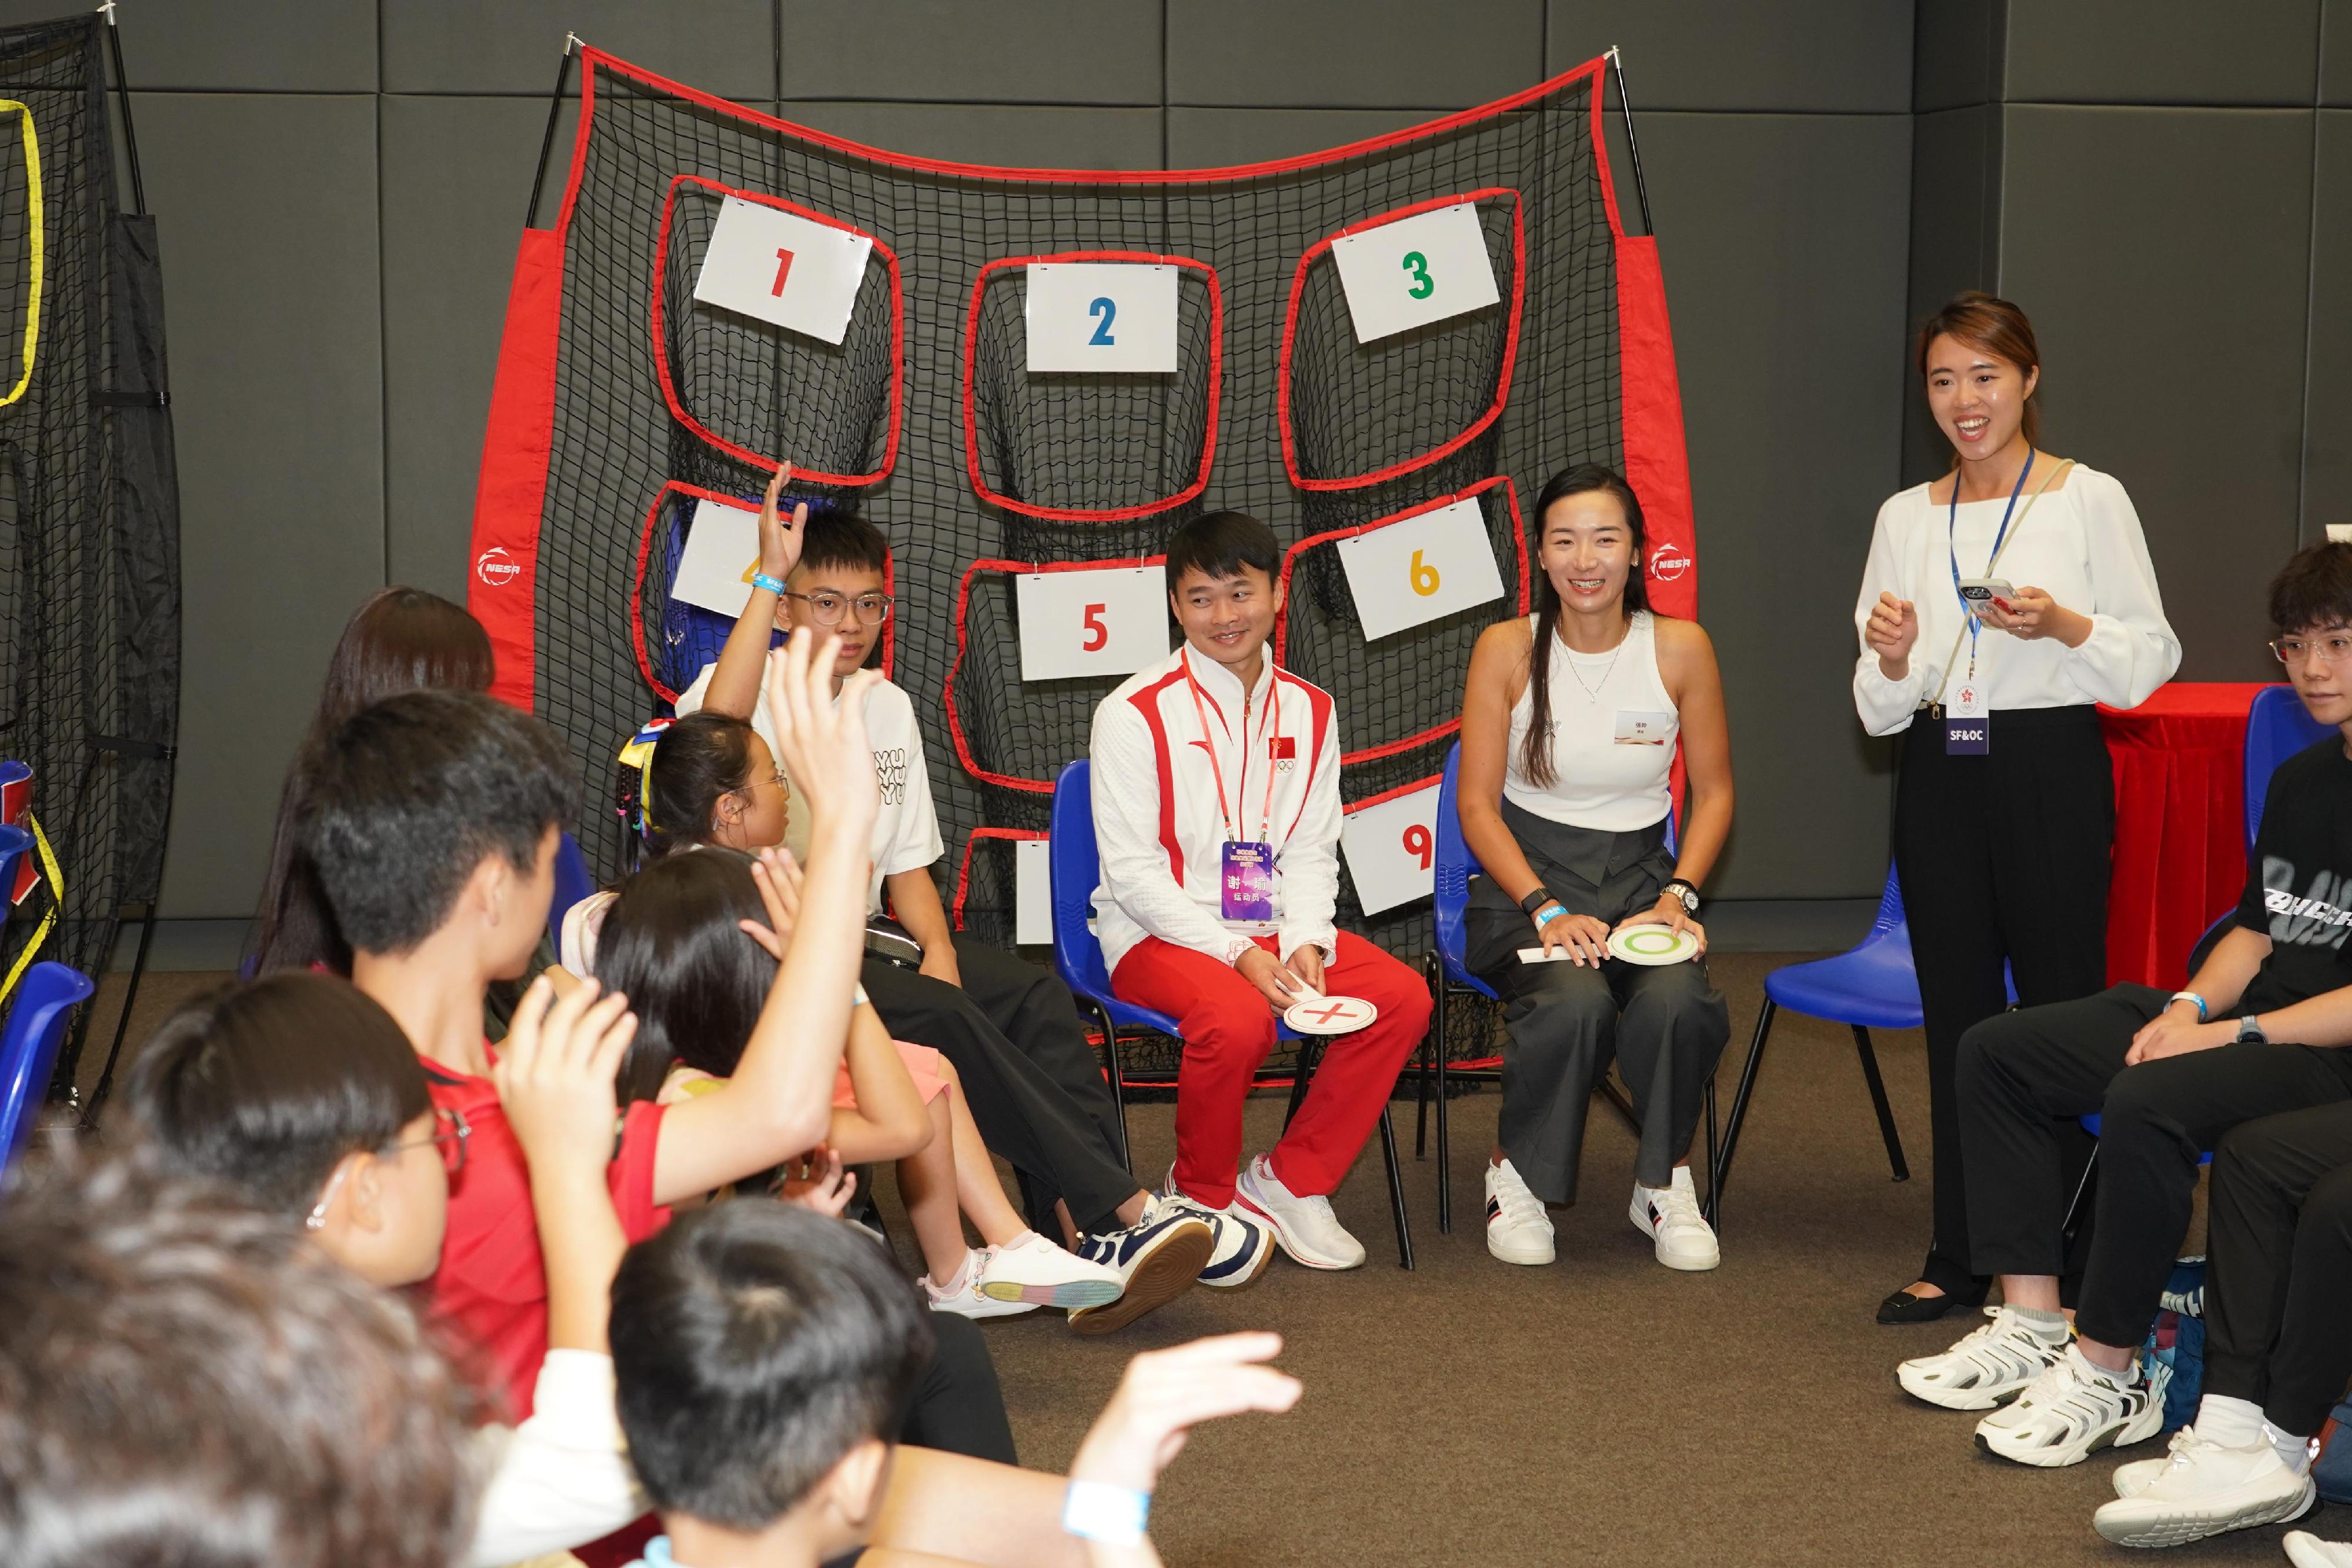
x=2249, y=1031
x=1686, y=891
x=1536, y=900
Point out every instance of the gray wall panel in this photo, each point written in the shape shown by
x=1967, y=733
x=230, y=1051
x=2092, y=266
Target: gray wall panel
x=2335, y=53
x=1352, y=53
x=1221, y=138
x=726, y=47
x=2327, y=452
x=235, y=45
x=1028, y=136
x=1954, y=244
x=1783, y=239
x=1827, y=55
x=2093, y=247
x=2163, y=52
x=1958, y=49
x=278, y=408
x=1102, y=51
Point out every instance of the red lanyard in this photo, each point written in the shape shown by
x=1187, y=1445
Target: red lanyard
x=1271, y=728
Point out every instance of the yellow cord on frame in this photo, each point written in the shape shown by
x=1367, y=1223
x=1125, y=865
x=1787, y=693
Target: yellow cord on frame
x=33, y=307
x=56, y=902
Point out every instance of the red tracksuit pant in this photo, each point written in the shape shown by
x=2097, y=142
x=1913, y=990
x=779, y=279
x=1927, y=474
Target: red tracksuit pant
x=1229, y=1028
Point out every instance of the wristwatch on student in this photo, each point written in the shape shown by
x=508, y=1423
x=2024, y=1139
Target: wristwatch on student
x=1685, y=890
x=2249, y=1031
x=1535, y=900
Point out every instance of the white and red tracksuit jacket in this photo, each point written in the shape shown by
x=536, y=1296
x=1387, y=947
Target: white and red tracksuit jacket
x=1157, y=819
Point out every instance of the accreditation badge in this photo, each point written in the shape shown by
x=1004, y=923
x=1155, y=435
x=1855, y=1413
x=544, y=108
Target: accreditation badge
x=1248, y=881
x=1968, y=726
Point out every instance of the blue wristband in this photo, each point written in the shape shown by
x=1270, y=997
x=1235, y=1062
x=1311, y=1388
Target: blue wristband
x=1114, y=1515
x=2202, y=1016
x=772, y=584
x=1544, y=920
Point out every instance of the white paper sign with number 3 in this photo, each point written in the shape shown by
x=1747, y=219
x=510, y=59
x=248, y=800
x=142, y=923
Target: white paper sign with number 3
x=1416, y=270
x=1419, y=568
x=1108, y=621
x=1392, y=850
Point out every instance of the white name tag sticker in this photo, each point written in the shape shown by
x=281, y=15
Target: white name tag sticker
x=1110, y=622
x=1636, y=727
x=1033, y=893
x=722, y=551
x=1101, y=315
x=784, y=268
x=1406, y=572
x=1392, y=850
x=1416, y=270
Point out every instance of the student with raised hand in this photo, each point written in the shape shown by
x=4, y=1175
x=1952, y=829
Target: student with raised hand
x=2004, y=802
x=1570, y=722
x=1216, y=803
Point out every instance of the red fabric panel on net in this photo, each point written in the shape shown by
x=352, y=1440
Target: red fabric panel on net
x=512, y=490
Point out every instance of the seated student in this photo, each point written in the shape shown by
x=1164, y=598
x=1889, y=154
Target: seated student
x=187, y=1381
x=763, y=1355
x=1216, y=803
x=301, y=1095
x=2169, y=1076
x=1569, y=820
x=693, y=942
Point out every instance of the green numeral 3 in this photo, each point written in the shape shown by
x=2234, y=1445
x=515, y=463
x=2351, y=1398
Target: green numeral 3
x=1423, y=285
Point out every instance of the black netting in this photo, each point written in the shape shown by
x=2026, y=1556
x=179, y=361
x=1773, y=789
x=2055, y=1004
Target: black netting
x=88, y=513
x=1052, y=442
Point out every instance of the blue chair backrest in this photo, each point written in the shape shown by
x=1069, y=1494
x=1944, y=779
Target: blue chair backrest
x=573, y=884
x=1890, y=904
x=1453, y=865
x=15, y=843
x=1074, y=870
x=46, y=998
x=2278, y=727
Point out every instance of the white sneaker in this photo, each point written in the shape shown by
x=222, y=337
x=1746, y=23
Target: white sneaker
x=1987, y=1367
x=1034, y=1269
x=1670, y=1217
x=2305, y=1549
x=1304, y=1227
x=2204, y=1490
x=2073, y=1410
x=1155, y=1260
x=962, y=1294
x=2132, y=1479
x=1518, y=1229
x=1240, y=1248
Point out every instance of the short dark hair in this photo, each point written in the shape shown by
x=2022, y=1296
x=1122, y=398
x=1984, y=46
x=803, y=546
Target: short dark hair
x=671, y=945
x=837, y=536
x=2314, y=588
x=699, y=761
x=410, y=794
x=754, y=1345
x=1221, y=543
x=267, y=1084
x=185, y=1380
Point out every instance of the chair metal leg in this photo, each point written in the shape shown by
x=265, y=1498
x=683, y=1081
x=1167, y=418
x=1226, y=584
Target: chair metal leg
x=1878, y=1103
x=1117, y=1080
x=1310, y=1051
x=1714, y=1150
x=1445, y=1148
x=1435, y=977
x=1396, y=1191
x=1608, y=1089
x=1739, y=1098
x=2079, y=1207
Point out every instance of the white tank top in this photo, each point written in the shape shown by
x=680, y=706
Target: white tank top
x=1603, y=777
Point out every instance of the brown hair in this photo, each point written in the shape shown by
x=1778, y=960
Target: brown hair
x=1995, y=327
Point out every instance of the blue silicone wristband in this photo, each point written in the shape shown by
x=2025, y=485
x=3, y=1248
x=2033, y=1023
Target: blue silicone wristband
x=1114, y=1515
x=1544, y=920
x=772, y=584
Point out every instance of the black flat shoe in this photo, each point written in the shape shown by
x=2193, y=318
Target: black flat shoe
x=1902, y=1307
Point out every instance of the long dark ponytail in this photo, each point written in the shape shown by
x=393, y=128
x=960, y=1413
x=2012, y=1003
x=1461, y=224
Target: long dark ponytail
x=1535, y=753
x=698, y=762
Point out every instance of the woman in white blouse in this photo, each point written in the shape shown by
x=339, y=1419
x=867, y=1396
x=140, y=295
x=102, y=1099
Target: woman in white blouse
x=2000, y=603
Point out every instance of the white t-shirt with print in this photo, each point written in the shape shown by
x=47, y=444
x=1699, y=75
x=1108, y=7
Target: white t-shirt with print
x=907, y=833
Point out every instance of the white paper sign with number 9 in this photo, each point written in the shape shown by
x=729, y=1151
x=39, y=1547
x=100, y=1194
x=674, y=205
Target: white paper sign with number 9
x=1419, y=568
x=1392, y=850
x=1416, y=270
x=1110, y=622
x=1101, y=315
x=782, y=267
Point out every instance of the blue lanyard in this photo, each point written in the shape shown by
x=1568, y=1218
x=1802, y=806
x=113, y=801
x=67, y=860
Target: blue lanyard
x=1952, y=546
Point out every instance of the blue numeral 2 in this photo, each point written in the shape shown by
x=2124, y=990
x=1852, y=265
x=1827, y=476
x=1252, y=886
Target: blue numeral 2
x=1108, y=310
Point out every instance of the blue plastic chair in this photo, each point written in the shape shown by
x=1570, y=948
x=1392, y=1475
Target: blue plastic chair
x=46, y=998
x=1075, y=871
x=2278, y=727
x=573, y=884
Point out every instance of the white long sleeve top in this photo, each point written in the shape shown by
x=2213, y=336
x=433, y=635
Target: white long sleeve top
x=2081, y=544
x=563, y=1478
x=1159, y=825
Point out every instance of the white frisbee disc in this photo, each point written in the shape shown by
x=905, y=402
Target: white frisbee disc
x=1330, y=1015
x=1652, y=945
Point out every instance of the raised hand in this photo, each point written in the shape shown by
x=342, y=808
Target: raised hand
x=822, y=742
x=780, y=542
x=555, y=1072
x=1167, y=1392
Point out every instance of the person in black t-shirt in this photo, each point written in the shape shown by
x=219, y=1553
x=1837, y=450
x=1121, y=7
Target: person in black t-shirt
x=2253, y=1036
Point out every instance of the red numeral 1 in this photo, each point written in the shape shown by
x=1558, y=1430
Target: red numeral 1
x=783, y=270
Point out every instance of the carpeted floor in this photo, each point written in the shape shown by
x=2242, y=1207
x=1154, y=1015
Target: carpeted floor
x=1603, y=1410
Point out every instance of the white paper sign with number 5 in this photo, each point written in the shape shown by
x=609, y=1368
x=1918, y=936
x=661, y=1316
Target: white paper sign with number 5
x=1414, y=271
x=1418, y=569
x=1110, y=622
x=1392, y=850
x=782, y=267
x=1101, y=315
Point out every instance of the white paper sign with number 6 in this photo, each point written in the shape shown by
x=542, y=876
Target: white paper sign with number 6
x=1419, y=568
x=782, y=267
x=1414, y=271
x=1108, y=621
x=1101, y=315
x=1392, y=850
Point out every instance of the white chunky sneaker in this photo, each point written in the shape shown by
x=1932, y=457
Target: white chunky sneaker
x=2204, y=1490
x=1670, y=1217
x=2305, y=1549
x=2132, y=1479
x=960, y=1295
x=1240, y=1248
x=2074, y=1409
x=1518, y=1229
x=1034, y=1269
x=1303, y=1226
x=1987, y=1367
x=1155, y=1260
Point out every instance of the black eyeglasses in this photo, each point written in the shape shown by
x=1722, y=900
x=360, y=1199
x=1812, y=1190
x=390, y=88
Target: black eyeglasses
x=450, y=1139
x=827, y=609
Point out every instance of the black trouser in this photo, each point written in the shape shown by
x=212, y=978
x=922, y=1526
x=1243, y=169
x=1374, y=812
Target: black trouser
x=2000, y=856
x=957, y=1406
x=1036, y=1090
x=2024, y=1076
x=2278, y=1275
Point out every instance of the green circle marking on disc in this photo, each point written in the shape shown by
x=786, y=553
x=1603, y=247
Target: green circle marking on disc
x=1651, y=941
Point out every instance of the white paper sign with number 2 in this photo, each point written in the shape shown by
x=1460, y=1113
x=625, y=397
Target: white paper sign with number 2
x=1110, y=622
x=1414, y=271
x=1418, y=569
x=1100, y=316
x=781, y=267
x=1392, y=850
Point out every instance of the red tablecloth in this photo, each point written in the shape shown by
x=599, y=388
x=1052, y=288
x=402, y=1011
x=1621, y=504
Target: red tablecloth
x=2181, y=824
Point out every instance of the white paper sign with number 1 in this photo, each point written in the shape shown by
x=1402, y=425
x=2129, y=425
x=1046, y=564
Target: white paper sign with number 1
x=781, y=267
x=1392, y=850
x=1101, y=315
x=1414, y=271
x=1404, y=573
x=723, y=546
x=1110, y=622
x=1033, y=893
